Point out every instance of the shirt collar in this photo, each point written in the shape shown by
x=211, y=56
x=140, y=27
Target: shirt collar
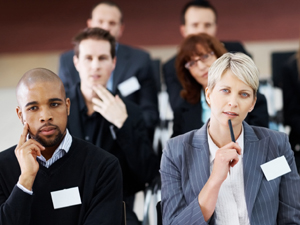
x=213, y=147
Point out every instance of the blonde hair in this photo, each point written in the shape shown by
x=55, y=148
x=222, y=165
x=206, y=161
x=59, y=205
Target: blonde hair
x=241, y=65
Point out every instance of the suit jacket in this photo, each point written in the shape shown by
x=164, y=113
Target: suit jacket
x=189, y=117
x=291, y=102
x=185, y=168
x=174, y=86
x=131, y=144
x=131, y=62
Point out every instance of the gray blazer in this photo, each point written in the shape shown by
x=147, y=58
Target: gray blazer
x=185, y=169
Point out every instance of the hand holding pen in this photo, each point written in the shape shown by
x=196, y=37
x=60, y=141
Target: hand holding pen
x=226, y=157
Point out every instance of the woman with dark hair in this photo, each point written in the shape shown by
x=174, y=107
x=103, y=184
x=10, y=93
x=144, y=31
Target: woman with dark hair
x=196, y=54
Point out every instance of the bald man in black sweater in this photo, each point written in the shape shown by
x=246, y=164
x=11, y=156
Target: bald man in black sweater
x=51, y=177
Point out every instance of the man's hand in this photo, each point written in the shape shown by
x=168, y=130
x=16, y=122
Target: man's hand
x=226, y=157
x=26, y=153
x=111, y=108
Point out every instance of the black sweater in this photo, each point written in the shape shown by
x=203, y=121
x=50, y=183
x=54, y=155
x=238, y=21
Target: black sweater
x=95, y=172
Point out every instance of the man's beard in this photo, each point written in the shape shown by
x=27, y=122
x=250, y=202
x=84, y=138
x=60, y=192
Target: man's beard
x=46, y=142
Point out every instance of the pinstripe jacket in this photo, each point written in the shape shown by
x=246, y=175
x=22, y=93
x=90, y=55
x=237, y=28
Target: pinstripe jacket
x=185, y=169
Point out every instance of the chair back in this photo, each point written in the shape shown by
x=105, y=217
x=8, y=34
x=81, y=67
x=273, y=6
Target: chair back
x=124, y=214
x=159, y=215
x=278, y=60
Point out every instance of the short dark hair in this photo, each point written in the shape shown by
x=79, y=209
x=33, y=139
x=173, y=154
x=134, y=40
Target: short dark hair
x=96, y=34
x=189, y=48
x=197, y=3
x=112, y=4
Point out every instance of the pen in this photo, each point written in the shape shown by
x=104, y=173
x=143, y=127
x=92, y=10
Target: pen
x=231, y=130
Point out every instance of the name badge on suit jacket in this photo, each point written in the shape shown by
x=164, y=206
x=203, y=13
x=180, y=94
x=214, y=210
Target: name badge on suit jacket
x=129, y=86
x=65, y=198
x=275, y=168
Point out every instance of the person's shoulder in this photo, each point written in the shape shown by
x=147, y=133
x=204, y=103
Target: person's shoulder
x=263, y=132
x=170, y=62
x=185, y=139
x=8, y=155
x=134, y=51
x=68, y=54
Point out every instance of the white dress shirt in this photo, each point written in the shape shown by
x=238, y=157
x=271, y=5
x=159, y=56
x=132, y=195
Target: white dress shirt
x=231, y=205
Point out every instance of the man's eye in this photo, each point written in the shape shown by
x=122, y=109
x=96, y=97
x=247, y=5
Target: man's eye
x=32, y=108
x=54, y=104
x=102, y=58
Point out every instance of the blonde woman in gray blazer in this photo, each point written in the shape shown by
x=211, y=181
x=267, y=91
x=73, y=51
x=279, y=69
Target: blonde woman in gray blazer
x=209, y=177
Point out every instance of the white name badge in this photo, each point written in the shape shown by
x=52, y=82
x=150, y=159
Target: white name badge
x=65, y=198
x=275, y=168
x=129, y=86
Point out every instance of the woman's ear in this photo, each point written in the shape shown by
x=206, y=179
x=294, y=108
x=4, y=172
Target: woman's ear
x=207, y=95
x=253, y=104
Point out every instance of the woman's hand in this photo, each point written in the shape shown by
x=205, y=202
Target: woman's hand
x=226, y=157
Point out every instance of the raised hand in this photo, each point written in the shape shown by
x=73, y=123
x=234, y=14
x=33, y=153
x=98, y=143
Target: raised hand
x=110, y=107
x=226, y=157
x=26, y=153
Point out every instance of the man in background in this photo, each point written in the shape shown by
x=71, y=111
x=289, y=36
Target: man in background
x=106, y=120
x=197, y=16
x=132, y=77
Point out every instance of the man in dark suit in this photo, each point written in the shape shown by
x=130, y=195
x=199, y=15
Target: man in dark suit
x=132, y=77
x=197, y=16
x=106, y=120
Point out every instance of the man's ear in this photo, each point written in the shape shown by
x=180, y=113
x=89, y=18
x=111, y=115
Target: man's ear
x=75, y=61
x=68, y=104
x=19, y=113
x=121, y=30
x=89, y=22
x=114, y=62
x=182, y=31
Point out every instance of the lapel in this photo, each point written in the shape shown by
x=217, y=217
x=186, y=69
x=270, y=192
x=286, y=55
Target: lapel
x=255, y=154
x=121, y=66
x=197, y=153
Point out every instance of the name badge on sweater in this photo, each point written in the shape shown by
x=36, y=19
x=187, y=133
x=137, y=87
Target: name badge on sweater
x=66, y=197
x=129, y=86
x=275, y=168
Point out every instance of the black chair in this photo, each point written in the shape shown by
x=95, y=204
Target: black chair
x=156, y=69
x=278, y=60
x=159, y=215
x=124, y=214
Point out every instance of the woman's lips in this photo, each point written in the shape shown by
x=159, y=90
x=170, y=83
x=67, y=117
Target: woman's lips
x=231, y=114
x=205, y=75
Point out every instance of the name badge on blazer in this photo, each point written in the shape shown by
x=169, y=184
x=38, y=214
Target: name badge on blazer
x=129, y=86
x=65, y=198
x=275, y=168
